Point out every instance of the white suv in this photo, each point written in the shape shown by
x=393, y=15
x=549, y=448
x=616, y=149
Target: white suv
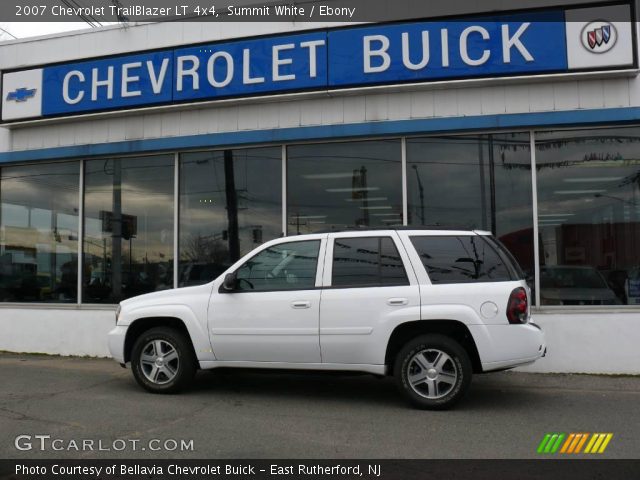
x=429, y=307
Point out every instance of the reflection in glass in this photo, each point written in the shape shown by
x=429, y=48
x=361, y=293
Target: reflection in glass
x=128, y=232
x=475, y=181
x=287, y=266
x=589, y=216
x=335, y=186
x=230, y=202
x=367, y=262
x=462, y=259
x=39, y=232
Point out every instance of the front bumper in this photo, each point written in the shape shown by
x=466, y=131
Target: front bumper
x=115, y=341
x=507, y=346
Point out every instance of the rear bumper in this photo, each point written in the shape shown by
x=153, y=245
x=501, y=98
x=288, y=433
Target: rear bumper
x=507, y=346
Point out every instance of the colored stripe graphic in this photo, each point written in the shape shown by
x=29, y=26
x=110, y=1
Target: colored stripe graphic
x=598, y=442
x=573, y=443
x=551, y=442
x=581, y=442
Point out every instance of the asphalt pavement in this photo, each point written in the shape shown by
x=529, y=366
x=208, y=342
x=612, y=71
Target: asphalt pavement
x=59, y=407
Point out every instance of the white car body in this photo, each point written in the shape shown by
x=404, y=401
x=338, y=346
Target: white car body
x=327, y=328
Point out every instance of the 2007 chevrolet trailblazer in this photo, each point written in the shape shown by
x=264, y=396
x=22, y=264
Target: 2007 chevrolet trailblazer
x=429, y=307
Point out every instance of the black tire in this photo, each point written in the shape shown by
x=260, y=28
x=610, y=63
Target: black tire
x=442, y=391
x=182, y=368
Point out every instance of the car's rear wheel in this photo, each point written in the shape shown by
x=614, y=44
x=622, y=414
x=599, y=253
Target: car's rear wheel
x=162, y=360
x=433, y=372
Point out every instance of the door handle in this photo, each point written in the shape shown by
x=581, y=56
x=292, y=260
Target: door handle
x=301, y=304
x=394, y=302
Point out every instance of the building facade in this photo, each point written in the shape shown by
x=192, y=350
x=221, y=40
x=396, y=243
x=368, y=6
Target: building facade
x=152, y=157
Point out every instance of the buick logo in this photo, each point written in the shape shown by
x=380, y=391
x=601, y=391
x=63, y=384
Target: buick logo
x=599, y=36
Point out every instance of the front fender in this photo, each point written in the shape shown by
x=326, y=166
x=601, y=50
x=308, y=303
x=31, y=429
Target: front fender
x=197, y=329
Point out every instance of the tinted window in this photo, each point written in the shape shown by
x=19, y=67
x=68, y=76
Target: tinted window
x=288, y=266
x=367, y=261
x=451, y=259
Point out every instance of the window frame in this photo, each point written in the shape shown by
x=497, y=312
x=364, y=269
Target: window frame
x=275, y=243
x=391, y=234
x=454, y=234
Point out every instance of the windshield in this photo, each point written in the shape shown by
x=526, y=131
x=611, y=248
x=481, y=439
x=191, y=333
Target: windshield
x=568, y=277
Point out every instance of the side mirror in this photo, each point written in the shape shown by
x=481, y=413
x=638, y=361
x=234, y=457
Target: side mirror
x=230, y=282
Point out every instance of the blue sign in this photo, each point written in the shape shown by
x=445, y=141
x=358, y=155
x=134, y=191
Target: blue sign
x=482, y=46
x=251, y=67
x=119, y=82
x=487, y=46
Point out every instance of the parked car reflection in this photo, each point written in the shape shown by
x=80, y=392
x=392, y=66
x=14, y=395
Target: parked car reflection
x=575, y=285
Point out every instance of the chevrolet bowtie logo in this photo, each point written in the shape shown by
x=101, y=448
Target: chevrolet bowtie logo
x=21, y=94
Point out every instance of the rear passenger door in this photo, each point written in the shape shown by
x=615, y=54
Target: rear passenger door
x=369, y=287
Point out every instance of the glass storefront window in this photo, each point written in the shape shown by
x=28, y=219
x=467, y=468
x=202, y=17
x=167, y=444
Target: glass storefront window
x=334, y=186
x=589, y=216
x=230, y=202
x=128, y=226
x=39, y=232
x=475, y=181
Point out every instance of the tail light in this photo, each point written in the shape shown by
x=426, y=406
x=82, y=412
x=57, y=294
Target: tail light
x=518, y=306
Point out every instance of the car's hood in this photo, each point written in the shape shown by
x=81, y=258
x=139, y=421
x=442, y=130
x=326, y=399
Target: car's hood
x=578, y=294
x=165, y=297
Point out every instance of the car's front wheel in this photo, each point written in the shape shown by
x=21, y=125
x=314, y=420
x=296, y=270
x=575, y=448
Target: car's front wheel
x=162, y=360
x=433, y=371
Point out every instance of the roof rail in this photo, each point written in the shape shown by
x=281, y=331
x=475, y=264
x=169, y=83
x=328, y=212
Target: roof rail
x=401, y=228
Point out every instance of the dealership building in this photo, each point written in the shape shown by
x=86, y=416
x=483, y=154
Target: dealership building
x=152, y=157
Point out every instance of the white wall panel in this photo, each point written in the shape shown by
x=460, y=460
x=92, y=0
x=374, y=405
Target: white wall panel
x=189, y=123
x=267, y=117
x=228, y=119
x=422, y=104
x=577, y=342
x=591, y=93
x=565, y=95
x=82, y=132
x=616, y=93
x=354, y=109
x=493, y=100
x=169, y=124
x=133, y=128
x=289, y=114
x=445, y=103
x=58, y=331
x=376, y=107
x=541, y=97
x=400, y=106
x=248, y=117
x=67, y=136
x=333, y=111
x=152, y=126
x=20, y=139
x=517, y=98
x=590, y=343
x=469, y=102
x=117, y=130
x=311, y=113
x=99, y=131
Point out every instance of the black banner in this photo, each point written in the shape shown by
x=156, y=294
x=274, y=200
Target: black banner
x=97, y=12
x=314, y=469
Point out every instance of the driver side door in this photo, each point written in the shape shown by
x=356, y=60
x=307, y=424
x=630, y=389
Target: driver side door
x=273, y=315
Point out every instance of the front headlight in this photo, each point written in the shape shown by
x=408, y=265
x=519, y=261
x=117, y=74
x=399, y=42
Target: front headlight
x=118, y=310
